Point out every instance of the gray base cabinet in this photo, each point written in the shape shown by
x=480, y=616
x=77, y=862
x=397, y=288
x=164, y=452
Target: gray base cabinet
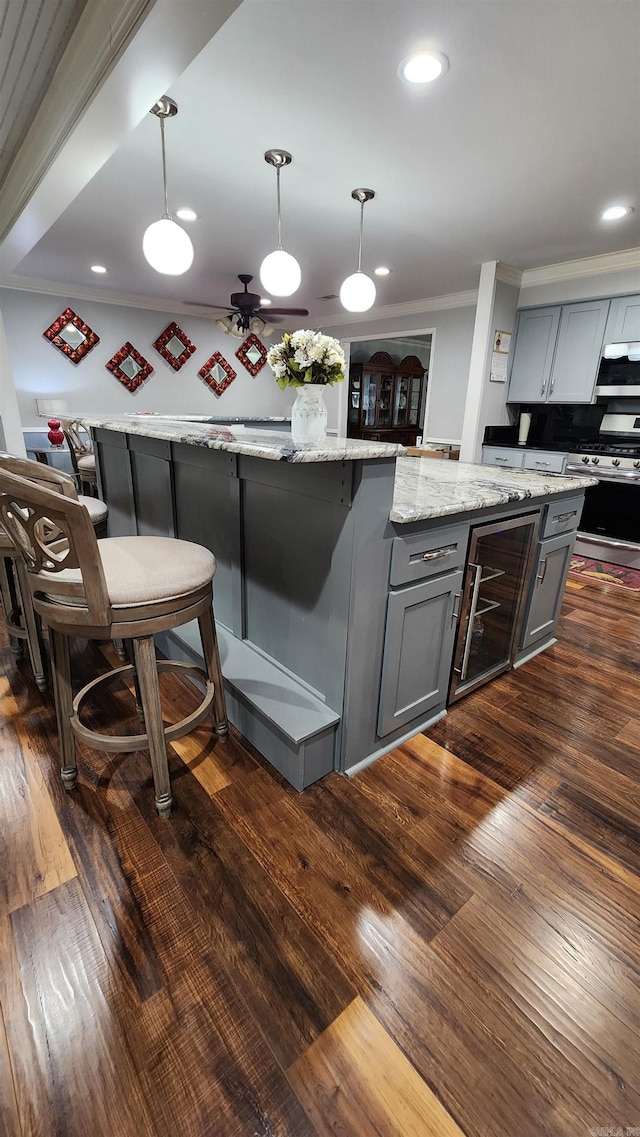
x=547, y=588
x=418, y=649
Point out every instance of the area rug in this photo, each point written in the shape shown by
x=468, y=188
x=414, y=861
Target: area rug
x=606, y=573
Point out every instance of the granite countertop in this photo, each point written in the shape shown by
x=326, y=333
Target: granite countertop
x=427, y=488
x=272, y=444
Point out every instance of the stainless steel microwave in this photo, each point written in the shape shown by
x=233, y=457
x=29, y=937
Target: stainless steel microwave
x=619, y=374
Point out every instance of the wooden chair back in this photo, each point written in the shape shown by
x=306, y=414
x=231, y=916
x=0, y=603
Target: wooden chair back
x=53, y=533
x=46, y=476
x=78, y=440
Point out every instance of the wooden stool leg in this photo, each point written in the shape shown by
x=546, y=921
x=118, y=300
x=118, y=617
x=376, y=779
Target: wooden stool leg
x=214, y=671
x=129, y=656
x=9, y=600
x=31, y=623
x=145, y=661
x=61, y=675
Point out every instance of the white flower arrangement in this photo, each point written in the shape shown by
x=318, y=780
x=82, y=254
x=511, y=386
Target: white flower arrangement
x=306, y=357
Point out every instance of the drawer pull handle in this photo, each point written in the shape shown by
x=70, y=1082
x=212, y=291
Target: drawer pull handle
x=438, y=553
x=539, y=462
x=499, y=459
x=565, y=516
x=543, y=571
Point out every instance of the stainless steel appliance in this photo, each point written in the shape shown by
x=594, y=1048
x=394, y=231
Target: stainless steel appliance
x=609, y=528
x=619, y=373
x=492, y=603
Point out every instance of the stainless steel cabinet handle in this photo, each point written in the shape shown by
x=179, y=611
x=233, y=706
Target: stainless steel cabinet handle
x=497, y=458
x=539, y=462
x=455, y=611
x=565, y=516
x=544, y=383
x=475, y=595
x=438, y=553
x=542, y=571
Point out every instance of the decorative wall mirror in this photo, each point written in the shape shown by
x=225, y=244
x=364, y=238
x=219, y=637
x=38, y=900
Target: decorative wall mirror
x=217, y=373
x=175, y=346
x=129, y=367
x=253, y=354
x=71, y=336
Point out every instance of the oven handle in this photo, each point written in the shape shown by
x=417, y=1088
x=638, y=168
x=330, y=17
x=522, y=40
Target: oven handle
x=607, y=542
x=604, y=476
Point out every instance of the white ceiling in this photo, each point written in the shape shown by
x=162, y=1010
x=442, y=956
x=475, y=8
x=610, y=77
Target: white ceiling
x=511, y=156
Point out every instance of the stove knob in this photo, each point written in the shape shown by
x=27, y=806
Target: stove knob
x=615, y=462
x=585, y=458
x=637, y=465
x=595, y=461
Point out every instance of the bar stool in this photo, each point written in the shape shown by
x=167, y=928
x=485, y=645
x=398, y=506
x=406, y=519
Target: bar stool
x=120, y=587
x=21, y=620
x=81, y=451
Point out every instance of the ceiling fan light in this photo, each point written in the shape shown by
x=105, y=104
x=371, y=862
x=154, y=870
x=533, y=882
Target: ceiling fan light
x=280, y=273
x=267, y=331
x=256, y=325
x=236, y=329
x=358, y=292
x=224, y=324
x=167, y=248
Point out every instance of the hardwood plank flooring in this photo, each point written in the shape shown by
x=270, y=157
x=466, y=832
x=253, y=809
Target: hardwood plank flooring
x=448, y=944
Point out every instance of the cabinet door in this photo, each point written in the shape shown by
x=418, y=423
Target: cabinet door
x=501, y=456
x=116, y=486
x=623, y=324
x=418, y=649
x=384, y=410
x=578, y=352
x=533, y=355
x=554, y=559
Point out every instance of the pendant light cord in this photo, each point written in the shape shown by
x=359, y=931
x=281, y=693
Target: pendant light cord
x=164, y=170
x=360, y=245
x=279, y=219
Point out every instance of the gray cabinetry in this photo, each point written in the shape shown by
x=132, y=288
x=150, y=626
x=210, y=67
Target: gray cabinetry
x=418, y=650
x=547, y=590
x=536, y=337
x=544, y=461
x=502, y=456
x=115, y=482
x=623, y=323
x=578, y=352
x=557, y=353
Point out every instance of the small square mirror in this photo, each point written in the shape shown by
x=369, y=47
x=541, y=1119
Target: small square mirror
x=254, y=355
x=72, y=335
x=175, y=346
x=130, y=367
x=218, y=373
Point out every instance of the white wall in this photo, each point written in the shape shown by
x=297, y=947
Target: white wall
x=449, y=367
x=40, y=370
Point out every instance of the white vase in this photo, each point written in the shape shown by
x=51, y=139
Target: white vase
x=309, y=414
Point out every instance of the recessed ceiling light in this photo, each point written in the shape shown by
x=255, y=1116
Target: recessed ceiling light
x=382, y=270
x=616, y=212
x=187, y=214
x=98, y=268
x=264, y=302
x=423, y=67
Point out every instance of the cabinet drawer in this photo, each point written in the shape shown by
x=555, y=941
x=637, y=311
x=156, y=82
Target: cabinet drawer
x=544, y=462
x=502, y=456
x=428, y=554
x=562, y=516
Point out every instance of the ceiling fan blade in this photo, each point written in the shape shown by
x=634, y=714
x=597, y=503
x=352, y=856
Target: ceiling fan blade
x=200, y=304
x=286, y=311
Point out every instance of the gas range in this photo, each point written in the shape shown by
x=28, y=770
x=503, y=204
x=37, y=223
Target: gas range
x=616, y=455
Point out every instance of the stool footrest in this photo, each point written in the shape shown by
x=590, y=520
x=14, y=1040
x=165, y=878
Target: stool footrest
x=128, y=742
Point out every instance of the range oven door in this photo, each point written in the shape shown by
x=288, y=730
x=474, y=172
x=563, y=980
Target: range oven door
x=612, y=510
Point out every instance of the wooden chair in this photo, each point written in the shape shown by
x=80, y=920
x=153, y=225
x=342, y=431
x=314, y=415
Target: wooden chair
x=20, y=617
x=121, y=587
x=81, y=451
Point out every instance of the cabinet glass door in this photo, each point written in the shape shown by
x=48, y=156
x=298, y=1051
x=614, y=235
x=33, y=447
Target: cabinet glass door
x=369, y=398
x=414, y=400
x=354, y=402
x=384, y=400
x=496, y=577
x=401, y=402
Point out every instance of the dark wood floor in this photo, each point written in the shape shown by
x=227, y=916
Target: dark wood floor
x=447, y=944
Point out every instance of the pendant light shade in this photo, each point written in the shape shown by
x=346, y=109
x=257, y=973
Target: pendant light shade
x=358, y=291
x=279, y=272
x=166, y=246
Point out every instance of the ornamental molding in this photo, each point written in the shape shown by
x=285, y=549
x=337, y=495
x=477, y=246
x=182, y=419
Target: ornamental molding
x=587, y=266
x=410, y=308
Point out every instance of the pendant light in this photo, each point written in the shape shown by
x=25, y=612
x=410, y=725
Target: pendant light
x=279, y=272
x=358, y=291
x=166, y=246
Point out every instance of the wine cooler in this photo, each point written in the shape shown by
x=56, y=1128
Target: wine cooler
x=492, y=601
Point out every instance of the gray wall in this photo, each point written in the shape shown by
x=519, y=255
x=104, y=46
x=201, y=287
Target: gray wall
x=40, y=370
x=449, y=368
x=615, y=283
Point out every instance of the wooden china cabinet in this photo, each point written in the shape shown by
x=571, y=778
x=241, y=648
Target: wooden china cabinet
x=385, y=399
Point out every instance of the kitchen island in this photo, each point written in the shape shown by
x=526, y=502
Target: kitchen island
x=319, y=549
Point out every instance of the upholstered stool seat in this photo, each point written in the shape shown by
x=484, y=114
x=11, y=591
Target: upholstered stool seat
x=121, y=587
x=20, y=617
x=87, y=464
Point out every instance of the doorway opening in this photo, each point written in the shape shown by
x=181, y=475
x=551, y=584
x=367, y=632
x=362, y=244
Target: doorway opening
x=388, y=387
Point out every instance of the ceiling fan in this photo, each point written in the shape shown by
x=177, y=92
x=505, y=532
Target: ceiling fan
x=246, y=313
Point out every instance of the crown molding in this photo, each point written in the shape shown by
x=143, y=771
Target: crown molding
x=100, y=37
x=124, y=299
x=587, y=266
x=508, y=275
x=411, y=308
